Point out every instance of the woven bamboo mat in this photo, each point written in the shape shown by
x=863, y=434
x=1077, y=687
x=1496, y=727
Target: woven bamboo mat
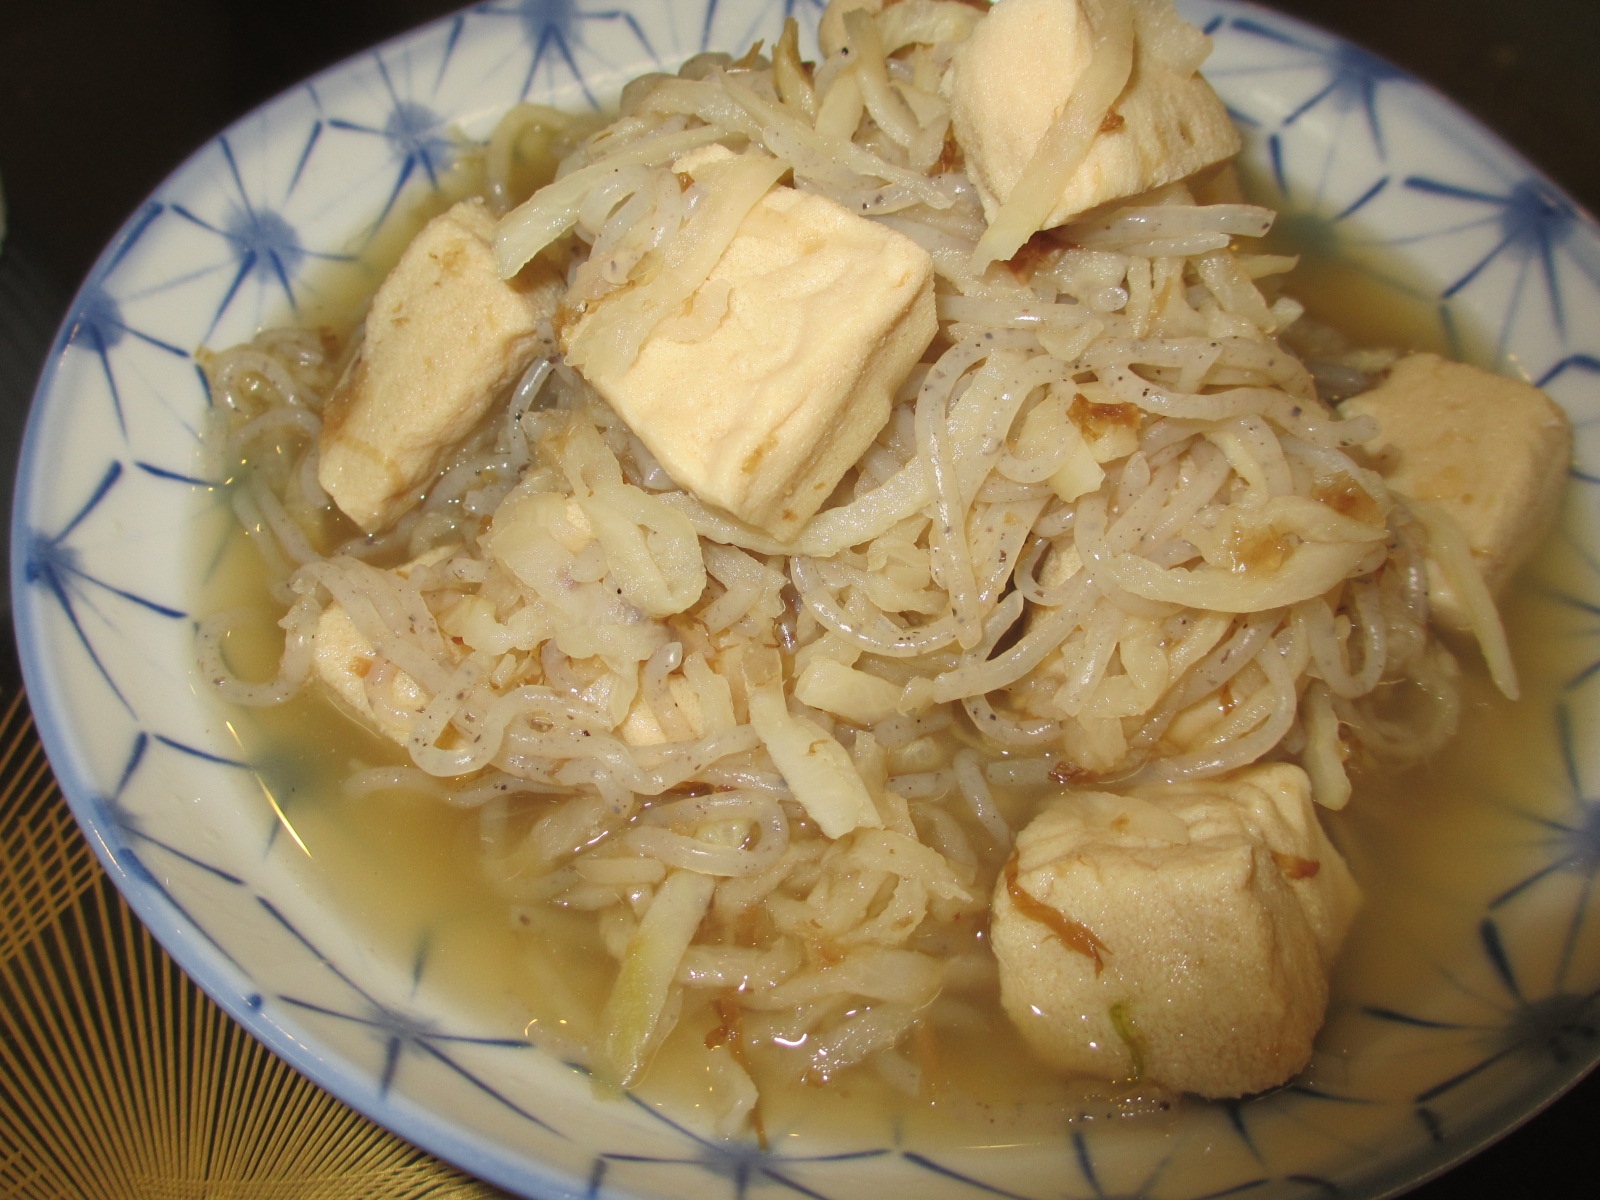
x=119, y=1078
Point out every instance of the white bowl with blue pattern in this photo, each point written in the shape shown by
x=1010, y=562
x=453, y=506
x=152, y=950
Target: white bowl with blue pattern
x=113, y=516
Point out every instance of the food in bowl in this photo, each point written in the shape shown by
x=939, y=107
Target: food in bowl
x=860, y=547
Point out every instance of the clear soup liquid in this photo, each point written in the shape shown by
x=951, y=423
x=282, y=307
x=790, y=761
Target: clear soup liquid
x=1427, y=846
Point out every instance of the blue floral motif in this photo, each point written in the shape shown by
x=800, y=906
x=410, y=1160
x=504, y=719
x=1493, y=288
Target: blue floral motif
x=1332, y=75
x=1354, y=76
x=57, y=567
x=1239, y=1111
x=1561, y=1025
x=1586, y=363
x=1571, y=842
x=417, y=137
x=1558, y=1026
x=264, y=245
x=1147, y=1186
x=401, y=1031
x=1083, y=1158
x=553, y=28
x=926, y=1163
x=737, y=1161
x=1583, y=604
x=313, y=136
x=97, y=326
x=137, y=837
x=1534, y=221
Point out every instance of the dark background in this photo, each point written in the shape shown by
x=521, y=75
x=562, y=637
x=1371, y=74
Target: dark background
x=100, y=99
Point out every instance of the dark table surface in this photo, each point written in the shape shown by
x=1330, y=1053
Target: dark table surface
x=100, y=99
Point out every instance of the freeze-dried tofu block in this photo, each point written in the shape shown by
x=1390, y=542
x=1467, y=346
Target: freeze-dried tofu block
x=1491, y=452
x=1181, y=934
x=822, y=316
x=445, y=338
x=345, y=660
x=1014, y=76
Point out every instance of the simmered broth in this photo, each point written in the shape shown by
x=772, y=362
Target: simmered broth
x=1426, y=844
x=1162, y=576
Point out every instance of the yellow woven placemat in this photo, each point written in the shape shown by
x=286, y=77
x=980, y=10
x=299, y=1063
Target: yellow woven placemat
x=119, y=1077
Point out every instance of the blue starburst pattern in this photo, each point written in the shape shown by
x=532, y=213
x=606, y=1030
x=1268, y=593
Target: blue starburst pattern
x=415, y=135
x=97, y=327
x=58, y=568
x=1527, y=225
x=1513, y=256
x=117, y=528
x=1353, y=76
x=254, y=241
x=1585, y=607
x=1557, y=1027
x=1146, y=1182
x=141, y=838
x=738, y=1163
x=401, y=1031
x=1570, y=844
x=1527, y=1005
x=1295, y=78
x=976, y=1186
x=265, y=247
x=557, y=32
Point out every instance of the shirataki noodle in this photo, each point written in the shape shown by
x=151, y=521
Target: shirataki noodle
x=1109, y=533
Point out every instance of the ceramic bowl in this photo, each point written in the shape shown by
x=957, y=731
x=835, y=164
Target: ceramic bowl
x=1490, y=1005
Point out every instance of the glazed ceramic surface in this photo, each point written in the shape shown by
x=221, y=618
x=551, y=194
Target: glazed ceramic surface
x=117, y=524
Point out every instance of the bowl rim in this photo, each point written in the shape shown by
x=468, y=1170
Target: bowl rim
x=191, y=949
x=179, y=936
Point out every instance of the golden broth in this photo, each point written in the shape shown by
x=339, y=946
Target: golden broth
x=1426, y=844
x=406, y=869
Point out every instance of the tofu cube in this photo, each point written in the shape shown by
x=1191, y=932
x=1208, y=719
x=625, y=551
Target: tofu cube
x=445, y=337
x=1179, y=934
x=344, y=659
x=1011, y=79
x=826, y=313
x=1491, y=452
